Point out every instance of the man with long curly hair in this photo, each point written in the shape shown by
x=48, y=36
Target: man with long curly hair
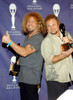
x=30, y=55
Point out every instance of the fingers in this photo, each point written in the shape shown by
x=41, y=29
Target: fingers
x=6, y=38
x=66, y=39
x=7, y=33
x=68, y=52
x=3, y=38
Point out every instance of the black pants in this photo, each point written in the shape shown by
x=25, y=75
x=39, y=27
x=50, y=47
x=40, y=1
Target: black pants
x=28, y=92
x=55, y=89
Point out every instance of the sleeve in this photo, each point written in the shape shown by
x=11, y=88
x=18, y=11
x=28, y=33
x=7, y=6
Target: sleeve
x=36, y=42
x=47, y=51
x=69, y=36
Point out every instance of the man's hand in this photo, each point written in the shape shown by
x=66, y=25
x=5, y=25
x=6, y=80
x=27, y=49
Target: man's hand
x=6, y=38
x=62, y=56
x=66, y=39
x=68, y=52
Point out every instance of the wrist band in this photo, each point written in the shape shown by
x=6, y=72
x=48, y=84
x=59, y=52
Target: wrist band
x=9, y=44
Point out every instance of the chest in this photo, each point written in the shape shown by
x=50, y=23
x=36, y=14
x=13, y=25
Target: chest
x=57, y=42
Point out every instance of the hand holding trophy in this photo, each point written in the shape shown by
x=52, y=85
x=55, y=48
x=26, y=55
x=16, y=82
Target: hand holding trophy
x=14, y=67
x=65, y=46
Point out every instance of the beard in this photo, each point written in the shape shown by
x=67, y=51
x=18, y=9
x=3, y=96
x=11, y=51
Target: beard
x=30, y=31
x=54, y=33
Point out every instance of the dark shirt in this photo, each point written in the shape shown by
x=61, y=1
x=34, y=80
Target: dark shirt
x=31, y=65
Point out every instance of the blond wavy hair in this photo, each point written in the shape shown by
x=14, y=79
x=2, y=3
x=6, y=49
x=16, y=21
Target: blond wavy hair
x=39, y=20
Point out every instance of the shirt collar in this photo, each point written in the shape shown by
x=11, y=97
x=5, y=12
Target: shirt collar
x=49, y=34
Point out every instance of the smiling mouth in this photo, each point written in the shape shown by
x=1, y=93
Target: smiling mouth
x=30, y=31
x=54, y=32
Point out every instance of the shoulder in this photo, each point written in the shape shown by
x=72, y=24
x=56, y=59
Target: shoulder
x=46, y=43
x=47, y=39
x=68, y=35
x=38, y=37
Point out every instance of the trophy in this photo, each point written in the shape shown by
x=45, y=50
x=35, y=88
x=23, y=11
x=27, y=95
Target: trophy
x=56, y=9
x=34, y=2
x=12, y=9
x=14, y=67
x=65, y=46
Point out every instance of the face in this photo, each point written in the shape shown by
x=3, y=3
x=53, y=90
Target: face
x=31, y=25
x=52, y=26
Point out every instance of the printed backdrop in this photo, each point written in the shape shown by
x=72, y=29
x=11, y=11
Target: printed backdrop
x=11, y=16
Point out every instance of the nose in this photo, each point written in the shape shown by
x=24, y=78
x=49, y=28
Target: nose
x=51, y=27
x=28, y=22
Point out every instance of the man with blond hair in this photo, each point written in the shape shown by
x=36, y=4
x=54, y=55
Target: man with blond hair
x=30, y=55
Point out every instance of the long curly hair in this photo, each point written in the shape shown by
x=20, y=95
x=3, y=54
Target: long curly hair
x=39, y=20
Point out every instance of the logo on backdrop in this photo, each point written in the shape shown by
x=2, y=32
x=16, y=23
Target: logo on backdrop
x=71, y=6
x=56, y=9
x=13, y=10
x=34, y=6
x=14, y=83
x=34, y=2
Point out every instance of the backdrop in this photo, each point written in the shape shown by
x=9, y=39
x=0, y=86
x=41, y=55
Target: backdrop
x=11, y=16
